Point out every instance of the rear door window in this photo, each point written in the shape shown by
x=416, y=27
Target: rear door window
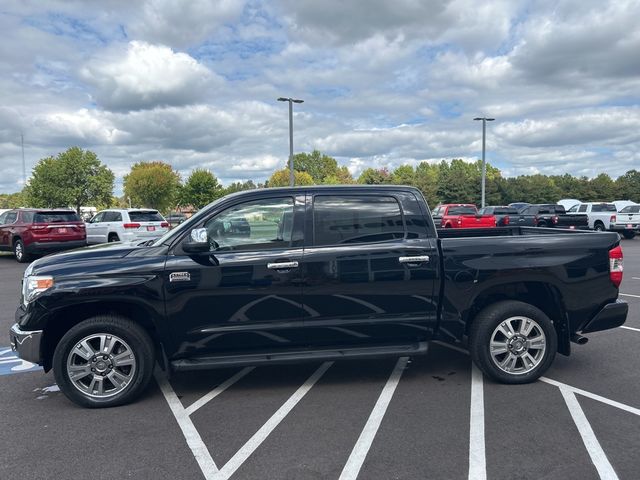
x=55, y=217
x=345, y=219
x=112, y=217
x=148, y=216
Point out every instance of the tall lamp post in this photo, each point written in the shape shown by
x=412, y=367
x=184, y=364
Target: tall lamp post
x=291, y=102
x=484, y=164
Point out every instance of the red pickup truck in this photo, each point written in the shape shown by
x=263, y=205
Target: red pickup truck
x=461, y=215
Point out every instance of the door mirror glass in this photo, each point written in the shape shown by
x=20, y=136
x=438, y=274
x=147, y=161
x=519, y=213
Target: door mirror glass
x=197, y=242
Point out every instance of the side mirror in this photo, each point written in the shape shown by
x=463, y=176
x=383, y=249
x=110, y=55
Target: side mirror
x=197, y=242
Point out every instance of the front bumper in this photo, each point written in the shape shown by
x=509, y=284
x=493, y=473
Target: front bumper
x=26, y=343
x=612, y=315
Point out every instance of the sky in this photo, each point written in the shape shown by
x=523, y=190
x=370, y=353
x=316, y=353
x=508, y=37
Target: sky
x=384, y=83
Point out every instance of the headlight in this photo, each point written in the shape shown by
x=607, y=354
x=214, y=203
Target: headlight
x=32, y=286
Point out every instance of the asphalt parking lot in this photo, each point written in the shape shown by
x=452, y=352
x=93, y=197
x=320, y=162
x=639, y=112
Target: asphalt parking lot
x=425, y=417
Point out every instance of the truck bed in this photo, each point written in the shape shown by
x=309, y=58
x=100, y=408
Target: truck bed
x=506, y=232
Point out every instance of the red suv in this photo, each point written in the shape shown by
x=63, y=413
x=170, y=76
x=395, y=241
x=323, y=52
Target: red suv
x=29, y=231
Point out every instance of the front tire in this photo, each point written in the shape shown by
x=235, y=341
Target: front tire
x=104, y=361
x=513, y=342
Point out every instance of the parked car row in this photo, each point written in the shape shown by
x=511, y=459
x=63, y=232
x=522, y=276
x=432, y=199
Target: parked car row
x=28, y=231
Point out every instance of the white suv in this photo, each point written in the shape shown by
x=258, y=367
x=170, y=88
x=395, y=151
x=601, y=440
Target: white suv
x=126, y=225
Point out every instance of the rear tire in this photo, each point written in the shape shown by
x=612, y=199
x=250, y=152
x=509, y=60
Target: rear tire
x=104, y=361
x=113, y=237
x=628, y=235
x=513, y=342
x=19, y=251
x=598, y=227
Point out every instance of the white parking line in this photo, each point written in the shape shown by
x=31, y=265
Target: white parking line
x=598, y=457
x=593, y=396
x=630, y=328
x=628, y=295
x=477, y=457
x=260, y=436
x=217, y=391
x=636, y=278
x=362, y=446
x=191, y=435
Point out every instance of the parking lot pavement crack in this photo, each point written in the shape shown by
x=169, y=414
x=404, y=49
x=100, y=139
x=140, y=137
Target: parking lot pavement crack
x=598, y=457
x=191, y=435
x=363, y=445
x=217, y=391
x=261, y=435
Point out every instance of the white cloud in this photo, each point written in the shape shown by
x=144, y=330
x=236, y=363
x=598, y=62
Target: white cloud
x=146, y=76
x=182, y=24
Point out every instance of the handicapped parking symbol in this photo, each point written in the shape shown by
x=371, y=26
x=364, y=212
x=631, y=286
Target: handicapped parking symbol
x=10, y=363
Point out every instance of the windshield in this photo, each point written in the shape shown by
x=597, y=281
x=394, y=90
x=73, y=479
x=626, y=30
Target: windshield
x=631, y=209
x=55, y=217
x=145, y=216
x=462, y=210
x=603, y=207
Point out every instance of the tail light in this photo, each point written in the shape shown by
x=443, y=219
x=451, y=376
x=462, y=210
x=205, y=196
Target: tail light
x=506, y=220
x=615, y=265
x=164, y=224
x=554, y=219
x=535, y=220
x=613, y=219
x=131, y=225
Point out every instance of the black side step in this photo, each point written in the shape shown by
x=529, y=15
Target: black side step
x=298, y=356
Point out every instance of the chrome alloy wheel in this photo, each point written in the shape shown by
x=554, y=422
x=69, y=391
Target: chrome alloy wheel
x=518, y=345
x=18, y=251
x=101, y=365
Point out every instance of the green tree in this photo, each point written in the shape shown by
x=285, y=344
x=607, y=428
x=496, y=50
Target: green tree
x=13, y=200
x=628, y=186
x=426, y=179
x=152, y=184
x=74, y=178
x=404, y=175
x=280, y=178
x=239, y=187
x=372, y=176
x=316, y=164
x=601, y=189
x=200, y=189
x=342, y=176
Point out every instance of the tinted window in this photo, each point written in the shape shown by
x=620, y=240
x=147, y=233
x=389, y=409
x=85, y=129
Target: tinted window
x=504, y=211
x=97, y=218
x=631, y=209
x=583, y=208
x=462, y=210
x=573, y=209
x=112, y=217
x=27, y=217
x=2, y=217
x=603, y=207
x=356, y=219
x=260, y=224
x=529, y=211
x=55, y=217
x=151, y=216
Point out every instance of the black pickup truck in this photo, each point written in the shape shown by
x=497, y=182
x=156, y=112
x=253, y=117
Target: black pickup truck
x=315, y=273
x=550, y=216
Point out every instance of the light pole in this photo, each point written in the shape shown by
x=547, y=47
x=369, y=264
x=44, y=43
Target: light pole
x=291, y=102
x=484, y=164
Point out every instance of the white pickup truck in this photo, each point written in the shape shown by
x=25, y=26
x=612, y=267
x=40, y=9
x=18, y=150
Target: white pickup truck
x=628, y=221
x=604, y=216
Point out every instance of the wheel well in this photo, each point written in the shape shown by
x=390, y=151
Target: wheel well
x=64, y=319
x=598, y=222
x=113, y=234
x=15, y=239
x=541, y=295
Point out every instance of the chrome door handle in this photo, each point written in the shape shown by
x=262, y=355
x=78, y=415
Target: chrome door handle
x=417, y=259
x=282, y=265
